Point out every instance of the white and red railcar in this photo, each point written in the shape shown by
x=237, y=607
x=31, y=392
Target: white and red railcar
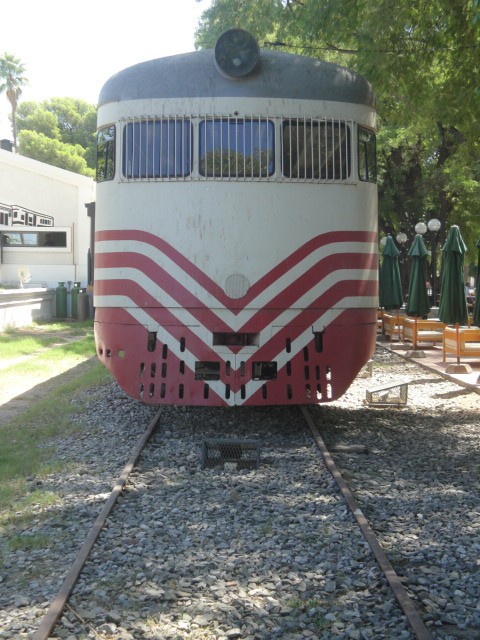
x=236, y=227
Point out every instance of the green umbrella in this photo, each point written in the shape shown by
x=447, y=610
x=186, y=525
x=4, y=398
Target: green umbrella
x=418, y=304
x=390, y=285
x=453, y=302
x=476, y=308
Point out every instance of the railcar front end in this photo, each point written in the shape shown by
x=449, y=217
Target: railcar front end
x=236, y=220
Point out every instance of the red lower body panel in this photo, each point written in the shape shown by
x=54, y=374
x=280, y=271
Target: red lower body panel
x=174, y=364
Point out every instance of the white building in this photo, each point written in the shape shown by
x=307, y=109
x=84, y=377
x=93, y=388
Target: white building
x=45, y=230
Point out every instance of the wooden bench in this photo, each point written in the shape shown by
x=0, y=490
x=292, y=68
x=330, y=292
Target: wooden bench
x=422, y=331
x=469, y=339
x=392, y=324
x=379, y=321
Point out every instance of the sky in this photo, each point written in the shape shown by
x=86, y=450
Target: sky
x=70, y=48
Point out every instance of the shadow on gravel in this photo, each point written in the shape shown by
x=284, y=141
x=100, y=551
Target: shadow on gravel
x=418, y=487
x=434, y=380
x=400, y=440
x=452, y=394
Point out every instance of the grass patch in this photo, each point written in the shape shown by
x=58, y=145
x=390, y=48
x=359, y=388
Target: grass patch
x=24, y=341
x=27, y=446
x=13, y=347
x=23, y=438
x=28, y=542
x=68, y=355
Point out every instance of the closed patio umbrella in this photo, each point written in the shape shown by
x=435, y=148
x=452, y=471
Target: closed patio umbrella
x=418, y=304
x=476, y=308
x=453, y=302
x=390, y=285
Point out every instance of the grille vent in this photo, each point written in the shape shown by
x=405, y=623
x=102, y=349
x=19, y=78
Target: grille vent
x=230, y=454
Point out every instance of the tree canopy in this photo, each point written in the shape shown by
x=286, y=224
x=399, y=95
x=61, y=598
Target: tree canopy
x=423, y=60
x=59, y=131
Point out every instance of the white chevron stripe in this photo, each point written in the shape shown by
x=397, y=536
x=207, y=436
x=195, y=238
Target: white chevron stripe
x=142, y=317
x=253, y=385
x=235, y=322
x=181, y=276
x=145, y=319
x=362, y=302
x=296, y=346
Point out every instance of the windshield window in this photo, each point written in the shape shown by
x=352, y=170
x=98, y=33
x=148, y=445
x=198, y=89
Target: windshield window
x=157, y=148
x=236, y=148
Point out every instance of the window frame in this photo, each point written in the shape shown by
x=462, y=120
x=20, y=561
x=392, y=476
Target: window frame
x=363, y=153
x=44, y=231
x=109, y=164
x=246, y=140
x=304, y=150
x=144, y=154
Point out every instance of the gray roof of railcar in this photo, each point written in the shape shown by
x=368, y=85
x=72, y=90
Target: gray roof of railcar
x=277, y=75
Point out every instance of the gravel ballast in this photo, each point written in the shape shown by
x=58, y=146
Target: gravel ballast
x=265, y=553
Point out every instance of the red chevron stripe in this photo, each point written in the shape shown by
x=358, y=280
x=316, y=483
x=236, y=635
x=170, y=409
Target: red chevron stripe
x=186, y=299
x=208, y=284
x=264, y=318
x=163, y=317
x=154, y=272
x=308, y=317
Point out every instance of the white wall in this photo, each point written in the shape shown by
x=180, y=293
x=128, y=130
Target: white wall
x=53, y=192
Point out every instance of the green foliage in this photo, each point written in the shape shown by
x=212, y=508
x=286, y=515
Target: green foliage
x=424, y=64
x=234, y=163
x=260, y=17
x=66, y=156
x=59, y=131
x=31, y=117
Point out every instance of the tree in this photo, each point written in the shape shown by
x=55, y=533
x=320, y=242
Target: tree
x=66, y=156
x=68, y=121
x=12, y=80
x=59, y=131
x=423, y=61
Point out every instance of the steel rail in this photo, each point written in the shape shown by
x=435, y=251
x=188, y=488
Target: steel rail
x=420, y=630
x=58, y=605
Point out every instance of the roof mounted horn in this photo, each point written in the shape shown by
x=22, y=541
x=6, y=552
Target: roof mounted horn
x=236, y=53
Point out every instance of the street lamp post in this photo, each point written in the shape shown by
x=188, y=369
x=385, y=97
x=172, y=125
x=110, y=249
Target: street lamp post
x=434, y=227
x=421, y=228
x=401, y=239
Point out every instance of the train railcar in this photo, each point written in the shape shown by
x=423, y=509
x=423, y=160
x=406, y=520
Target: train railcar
x=236, y=227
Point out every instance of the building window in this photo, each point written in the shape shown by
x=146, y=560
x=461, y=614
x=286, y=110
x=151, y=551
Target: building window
x=106, y=154
x=157, y=148
x=54, y=239
x=315, y=149
x=367, y=155
x=237, y=148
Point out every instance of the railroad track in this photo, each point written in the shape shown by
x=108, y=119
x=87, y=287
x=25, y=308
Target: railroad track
x=273, y=552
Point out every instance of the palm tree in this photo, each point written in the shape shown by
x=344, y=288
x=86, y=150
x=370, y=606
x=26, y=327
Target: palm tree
x=12, y=80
